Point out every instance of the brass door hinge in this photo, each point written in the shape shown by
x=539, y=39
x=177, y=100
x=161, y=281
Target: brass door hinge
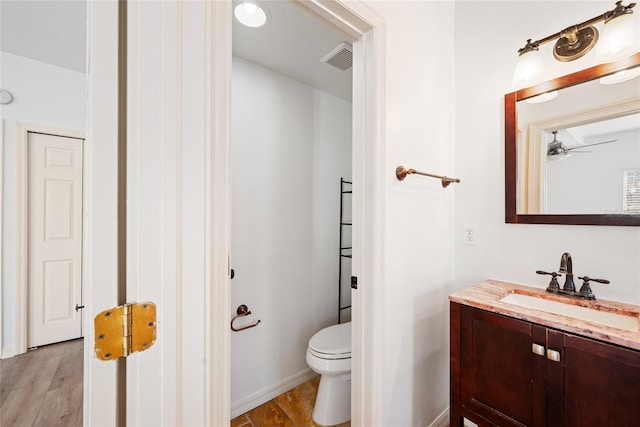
x=123, y=330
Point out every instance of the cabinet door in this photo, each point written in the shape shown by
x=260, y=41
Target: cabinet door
x=600, y=385
x=502, y=380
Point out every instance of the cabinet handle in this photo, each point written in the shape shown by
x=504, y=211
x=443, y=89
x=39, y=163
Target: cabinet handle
x=553, y=355
x=537, y=349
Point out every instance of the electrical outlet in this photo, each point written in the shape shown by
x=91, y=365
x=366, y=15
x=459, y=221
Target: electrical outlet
x=470, y=235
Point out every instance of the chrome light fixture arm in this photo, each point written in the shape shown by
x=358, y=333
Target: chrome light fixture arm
x=575, y=41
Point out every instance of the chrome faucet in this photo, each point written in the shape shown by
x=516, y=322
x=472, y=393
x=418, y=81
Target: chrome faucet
x=566, y=268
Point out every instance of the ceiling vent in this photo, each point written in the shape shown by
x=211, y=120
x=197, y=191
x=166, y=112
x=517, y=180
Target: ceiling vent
x=341, y=57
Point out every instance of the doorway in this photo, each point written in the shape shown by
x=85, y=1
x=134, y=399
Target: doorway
x=363, y=26
x=286, y=170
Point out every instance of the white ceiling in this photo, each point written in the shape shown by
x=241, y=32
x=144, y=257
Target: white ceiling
x=292, y=43
x=48, y=31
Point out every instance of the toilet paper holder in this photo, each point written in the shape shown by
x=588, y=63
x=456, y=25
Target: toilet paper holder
x=242, y=311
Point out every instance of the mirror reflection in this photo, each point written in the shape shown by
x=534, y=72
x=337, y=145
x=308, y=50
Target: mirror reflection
x=579, y=152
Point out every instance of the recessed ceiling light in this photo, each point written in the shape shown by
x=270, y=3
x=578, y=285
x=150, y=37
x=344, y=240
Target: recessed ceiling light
x=252, y=13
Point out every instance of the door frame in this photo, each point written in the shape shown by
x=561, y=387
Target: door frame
x=1, y=222
x=100, y=405
x=367, y=28
x=22, y=210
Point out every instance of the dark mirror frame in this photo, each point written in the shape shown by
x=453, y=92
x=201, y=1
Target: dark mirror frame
x=510, y=159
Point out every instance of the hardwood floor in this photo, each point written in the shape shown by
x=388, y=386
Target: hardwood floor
x=43, y=387
x=290, y=409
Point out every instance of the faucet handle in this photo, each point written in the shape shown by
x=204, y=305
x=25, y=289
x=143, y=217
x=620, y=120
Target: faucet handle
x=553, y=273
x=590, y=279
x=553, y=285
x=585, y=290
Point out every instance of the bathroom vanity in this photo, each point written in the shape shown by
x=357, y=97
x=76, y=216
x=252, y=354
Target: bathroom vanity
x=524, y=357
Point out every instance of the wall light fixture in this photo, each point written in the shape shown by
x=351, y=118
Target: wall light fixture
x=620, y=39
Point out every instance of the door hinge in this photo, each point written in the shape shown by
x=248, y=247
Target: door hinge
x=123, y=330
x=354, y=282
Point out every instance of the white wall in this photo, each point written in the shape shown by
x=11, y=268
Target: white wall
x=43, y=94
x=331, y=156
x=448, y=66
x=485, y=57
x=290, y=145
x=418, y=245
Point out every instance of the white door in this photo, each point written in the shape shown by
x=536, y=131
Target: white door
x=55, y=238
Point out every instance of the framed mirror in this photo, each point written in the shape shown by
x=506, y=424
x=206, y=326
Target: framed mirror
x=572, y=148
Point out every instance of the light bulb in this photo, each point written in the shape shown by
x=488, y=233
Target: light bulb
x=619, y=39
x=250, y=8
x=529, y=70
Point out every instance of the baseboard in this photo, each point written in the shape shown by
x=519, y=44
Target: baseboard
x=266, y=394
x=442, y=420
x=7, y=353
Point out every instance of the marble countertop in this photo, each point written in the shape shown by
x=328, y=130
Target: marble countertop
x=487, y=296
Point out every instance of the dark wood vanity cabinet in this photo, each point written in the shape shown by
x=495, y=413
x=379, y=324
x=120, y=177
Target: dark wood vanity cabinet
x=600, y=385
x=510, y=372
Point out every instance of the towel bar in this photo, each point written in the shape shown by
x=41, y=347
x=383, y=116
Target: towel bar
x=402, y=172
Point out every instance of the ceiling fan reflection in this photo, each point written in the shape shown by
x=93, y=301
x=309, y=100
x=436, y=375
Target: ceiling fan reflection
x=556, y=150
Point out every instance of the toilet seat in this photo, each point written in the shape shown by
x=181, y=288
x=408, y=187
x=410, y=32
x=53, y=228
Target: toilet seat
x=332, y=343
x=330, y=356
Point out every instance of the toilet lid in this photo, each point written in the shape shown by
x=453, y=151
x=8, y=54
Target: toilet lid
x=334, y=340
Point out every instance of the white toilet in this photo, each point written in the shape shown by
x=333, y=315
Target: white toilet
x=329, y=354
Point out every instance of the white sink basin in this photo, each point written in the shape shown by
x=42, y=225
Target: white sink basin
x=605, y=318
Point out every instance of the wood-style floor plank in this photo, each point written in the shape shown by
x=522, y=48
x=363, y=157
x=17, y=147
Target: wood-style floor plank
x=241, y=421
x=69, y=369
x=43, y=387
x=42, y=365
x=22, y=405
x=61, y=407
x=298, y=402
x=10, y=371
x=269, y=415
